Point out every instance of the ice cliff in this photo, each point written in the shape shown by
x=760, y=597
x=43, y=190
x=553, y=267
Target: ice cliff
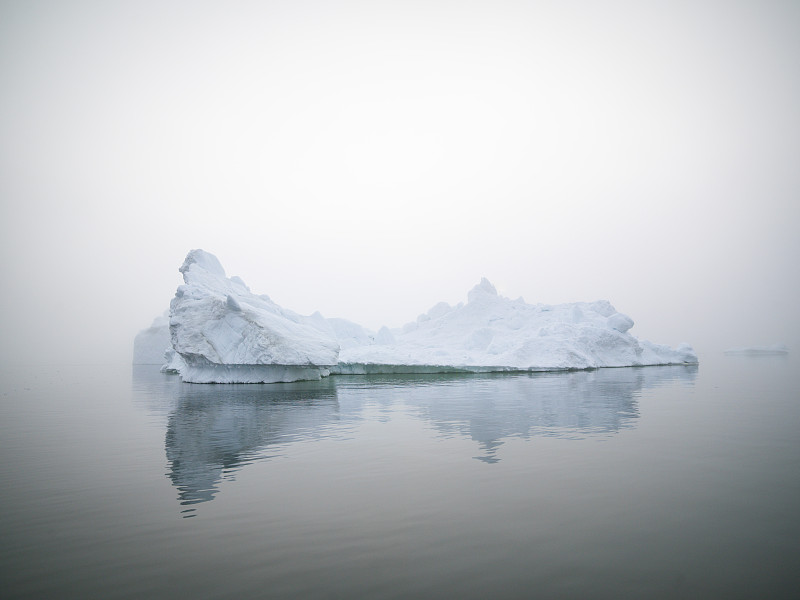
x=221, y=332
x=225, y=333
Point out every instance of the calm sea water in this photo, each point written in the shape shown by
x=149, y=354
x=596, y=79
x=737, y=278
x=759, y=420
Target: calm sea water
x=658, y=482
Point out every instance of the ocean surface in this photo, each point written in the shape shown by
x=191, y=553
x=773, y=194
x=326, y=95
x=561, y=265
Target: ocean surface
x=655, y=482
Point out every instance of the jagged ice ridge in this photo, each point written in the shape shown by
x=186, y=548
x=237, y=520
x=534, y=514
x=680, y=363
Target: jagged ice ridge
x=220, y=331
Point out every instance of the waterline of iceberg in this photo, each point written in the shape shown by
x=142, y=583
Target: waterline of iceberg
x=383, y=369
x=215, y=373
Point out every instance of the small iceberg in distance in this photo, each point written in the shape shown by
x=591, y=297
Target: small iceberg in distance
x=773, y=350
x=221, y=332
x=150, y=345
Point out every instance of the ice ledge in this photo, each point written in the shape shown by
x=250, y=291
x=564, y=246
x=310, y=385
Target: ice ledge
x=387, y=369
x=215, y=373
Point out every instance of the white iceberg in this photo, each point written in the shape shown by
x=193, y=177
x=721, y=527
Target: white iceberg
x=224, y=333
x=773, y=350
x=493, y=333
x=221, y=332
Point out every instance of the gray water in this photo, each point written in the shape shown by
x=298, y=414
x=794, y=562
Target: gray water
x=657, y=482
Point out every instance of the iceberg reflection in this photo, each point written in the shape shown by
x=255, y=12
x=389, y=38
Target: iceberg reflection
x=214, y=430
x=576, y=404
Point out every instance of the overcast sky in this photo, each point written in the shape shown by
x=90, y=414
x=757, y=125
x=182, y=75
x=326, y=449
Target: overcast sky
x=369, y=159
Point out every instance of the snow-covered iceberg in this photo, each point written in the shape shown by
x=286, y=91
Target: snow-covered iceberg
x=493, y=333
x=225, y=333
x=221, y=332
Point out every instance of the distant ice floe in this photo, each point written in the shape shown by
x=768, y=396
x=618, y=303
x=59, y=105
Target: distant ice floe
x=220, y=332
x=773, y=350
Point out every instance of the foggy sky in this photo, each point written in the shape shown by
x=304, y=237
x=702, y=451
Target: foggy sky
x=369, y=159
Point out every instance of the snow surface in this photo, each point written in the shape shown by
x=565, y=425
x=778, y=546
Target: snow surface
x=493, y=333
x=758, y=350
x=222, y=332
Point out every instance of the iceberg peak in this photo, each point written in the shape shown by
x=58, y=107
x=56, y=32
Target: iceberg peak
x=204, y=260
x=483, y=289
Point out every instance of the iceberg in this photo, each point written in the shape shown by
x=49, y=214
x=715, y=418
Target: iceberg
x=221, y=332
x=151, y=344
x=773, y=350
x=493, y=333
x=224, y=333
